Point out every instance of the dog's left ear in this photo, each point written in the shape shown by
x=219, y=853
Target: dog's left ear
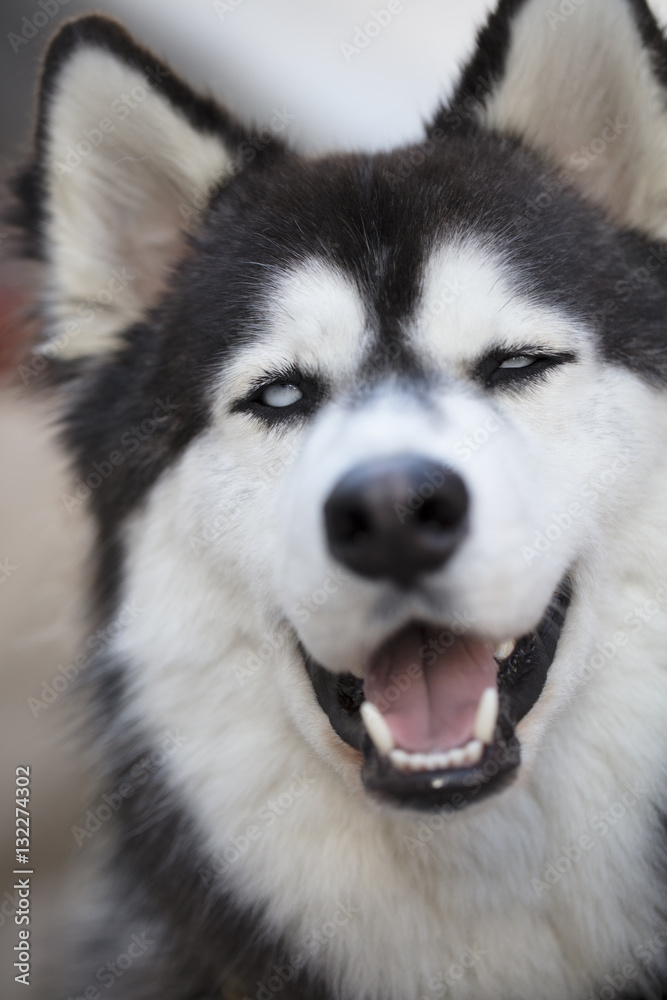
x=126, y=157
x=585, y=82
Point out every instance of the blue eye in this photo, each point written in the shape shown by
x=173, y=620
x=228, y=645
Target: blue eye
x=281, y=394
x=281, y=397
x=517, y=361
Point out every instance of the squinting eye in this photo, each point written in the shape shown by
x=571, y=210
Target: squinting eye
x=281, y=394
x=517, y=361
x=514, y=371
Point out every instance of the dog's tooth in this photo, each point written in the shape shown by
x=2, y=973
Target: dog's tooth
x=487, y=716
x=399, y=759
x=504, y=649
x=456, y=757
x=377, y=728
x=473, y=751
x=443, y=760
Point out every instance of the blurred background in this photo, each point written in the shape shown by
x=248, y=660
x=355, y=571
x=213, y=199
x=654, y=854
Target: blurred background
x=256, y=56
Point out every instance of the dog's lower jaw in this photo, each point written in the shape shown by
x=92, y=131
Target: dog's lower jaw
x=521, y=678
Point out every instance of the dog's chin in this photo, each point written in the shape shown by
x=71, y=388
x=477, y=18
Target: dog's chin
x=438, y=729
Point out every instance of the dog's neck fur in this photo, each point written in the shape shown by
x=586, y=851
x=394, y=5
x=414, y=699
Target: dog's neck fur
x=512, y=852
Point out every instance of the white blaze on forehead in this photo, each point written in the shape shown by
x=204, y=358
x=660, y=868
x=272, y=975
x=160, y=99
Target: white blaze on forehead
x=314, y=319
x=469, y=305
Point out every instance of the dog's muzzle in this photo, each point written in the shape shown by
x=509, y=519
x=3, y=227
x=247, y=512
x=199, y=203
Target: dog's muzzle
x=435, y=712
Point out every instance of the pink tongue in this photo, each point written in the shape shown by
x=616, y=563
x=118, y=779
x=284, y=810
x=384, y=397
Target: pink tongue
x=428, y=685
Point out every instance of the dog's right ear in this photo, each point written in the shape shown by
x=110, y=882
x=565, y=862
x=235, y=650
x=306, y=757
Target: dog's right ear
x=125, y=160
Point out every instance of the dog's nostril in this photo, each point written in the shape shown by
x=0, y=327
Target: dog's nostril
x=443, y=512
x=352, y=524
x=431, y=516
x=396, y=517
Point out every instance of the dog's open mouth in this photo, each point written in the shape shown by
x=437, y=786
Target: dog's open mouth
x=435, y=713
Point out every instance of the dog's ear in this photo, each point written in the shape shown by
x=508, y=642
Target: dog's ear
x=126, y=158
x=585, y=82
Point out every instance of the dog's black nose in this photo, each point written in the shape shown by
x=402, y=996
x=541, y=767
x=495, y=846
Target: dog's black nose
x=396, y=517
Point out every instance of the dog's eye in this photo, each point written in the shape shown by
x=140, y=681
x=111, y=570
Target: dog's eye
x=517, y=361
x=281, y=394
x=287, y=395
x=499, y=369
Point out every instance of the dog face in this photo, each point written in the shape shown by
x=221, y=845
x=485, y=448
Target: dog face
x=421, y=475
x=403, y=398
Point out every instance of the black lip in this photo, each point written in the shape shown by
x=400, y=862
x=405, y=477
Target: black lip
x=453, y=788
x=521, y=679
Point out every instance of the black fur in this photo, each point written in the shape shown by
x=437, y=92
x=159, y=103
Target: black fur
x=375, y=217
x=260, y=223
x=354, y=213
x=165, y=886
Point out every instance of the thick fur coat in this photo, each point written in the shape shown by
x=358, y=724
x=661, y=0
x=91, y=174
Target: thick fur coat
x=232, y=339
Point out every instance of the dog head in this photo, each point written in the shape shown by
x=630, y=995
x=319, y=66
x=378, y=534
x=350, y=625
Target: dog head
x=399, y=402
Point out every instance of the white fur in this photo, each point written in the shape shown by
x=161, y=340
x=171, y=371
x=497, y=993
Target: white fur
x=565, y=78
x=125, y=206
x=314, y=318
x=215, y=658
x=227, y=554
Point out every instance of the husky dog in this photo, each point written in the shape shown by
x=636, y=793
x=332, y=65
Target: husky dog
x=376, y=446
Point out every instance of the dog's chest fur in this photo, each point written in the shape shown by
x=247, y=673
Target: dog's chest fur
x=237, y=343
